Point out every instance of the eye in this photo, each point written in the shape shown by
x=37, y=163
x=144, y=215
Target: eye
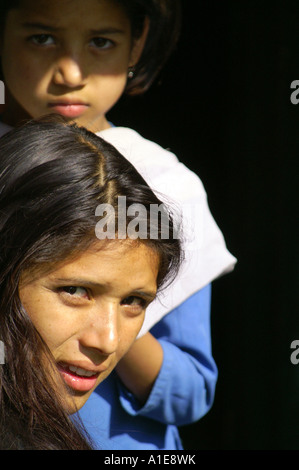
x=42, y=39
x=75, y=291
x=102, y=43
x=134, y=301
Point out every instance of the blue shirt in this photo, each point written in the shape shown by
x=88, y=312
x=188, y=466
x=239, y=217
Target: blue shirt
x=183, y=391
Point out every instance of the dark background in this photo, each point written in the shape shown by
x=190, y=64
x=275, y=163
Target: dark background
x=222, y=104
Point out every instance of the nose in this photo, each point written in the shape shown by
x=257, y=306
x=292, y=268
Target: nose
x=101, y=331
x=69, y=71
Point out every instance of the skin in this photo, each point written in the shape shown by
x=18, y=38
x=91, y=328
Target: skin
x=90, y=310
x=67, y=52
x=72, y=63
x=139, y=368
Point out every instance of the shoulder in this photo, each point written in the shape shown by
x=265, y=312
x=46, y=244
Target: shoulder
x=135, y=147
x=159, y=166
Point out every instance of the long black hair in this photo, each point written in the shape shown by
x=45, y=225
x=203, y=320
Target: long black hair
x=53, y=176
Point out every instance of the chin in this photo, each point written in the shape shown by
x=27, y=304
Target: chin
x=75, y=403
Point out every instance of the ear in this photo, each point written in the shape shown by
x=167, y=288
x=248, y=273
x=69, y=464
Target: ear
x=138, y=44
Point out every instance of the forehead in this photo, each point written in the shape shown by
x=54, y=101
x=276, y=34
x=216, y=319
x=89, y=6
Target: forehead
x=70, y=12
x=120, y=253
x=115, y=266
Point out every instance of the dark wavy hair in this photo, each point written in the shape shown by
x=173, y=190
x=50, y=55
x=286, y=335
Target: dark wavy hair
x=53, y=176
x=164, y=29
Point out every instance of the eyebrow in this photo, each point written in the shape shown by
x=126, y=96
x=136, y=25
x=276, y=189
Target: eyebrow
x=52, y=29
x=149, y=295
x=39, y=26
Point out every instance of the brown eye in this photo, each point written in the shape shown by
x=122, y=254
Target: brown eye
x=134, y=301
x=75, y=291
x=102, y=43
x=42, y=39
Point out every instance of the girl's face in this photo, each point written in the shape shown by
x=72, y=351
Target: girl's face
x=67, y=56
x=90, y=310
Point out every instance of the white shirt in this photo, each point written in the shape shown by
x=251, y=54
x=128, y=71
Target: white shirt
x=206, y=255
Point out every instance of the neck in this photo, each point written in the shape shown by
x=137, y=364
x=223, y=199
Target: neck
x=99, y=125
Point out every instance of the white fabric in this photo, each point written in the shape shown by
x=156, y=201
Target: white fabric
x=206, y=255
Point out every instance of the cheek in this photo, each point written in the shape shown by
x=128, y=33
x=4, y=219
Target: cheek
x=46, y=319
x=22, y=76
x=32, y=83
x=54, y=334
x=108, y=89
x=128, y=335
x=48, y=329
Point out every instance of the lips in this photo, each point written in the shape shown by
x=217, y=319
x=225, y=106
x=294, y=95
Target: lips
x=78, y=378
x=70, y=109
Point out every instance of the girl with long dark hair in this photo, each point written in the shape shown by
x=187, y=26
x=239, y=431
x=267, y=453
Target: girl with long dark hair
x=71, y=302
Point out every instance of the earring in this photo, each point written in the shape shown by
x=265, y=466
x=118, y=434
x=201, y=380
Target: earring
x=131, y=71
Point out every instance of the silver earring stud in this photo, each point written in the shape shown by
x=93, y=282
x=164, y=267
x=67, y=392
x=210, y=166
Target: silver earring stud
x=130, y=72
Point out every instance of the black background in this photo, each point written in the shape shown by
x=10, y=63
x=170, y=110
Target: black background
x=222, y=104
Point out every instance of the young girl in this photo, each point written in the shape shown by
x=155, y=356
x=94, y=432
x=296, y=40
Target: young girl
x=77, y=58
x=71, y=304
